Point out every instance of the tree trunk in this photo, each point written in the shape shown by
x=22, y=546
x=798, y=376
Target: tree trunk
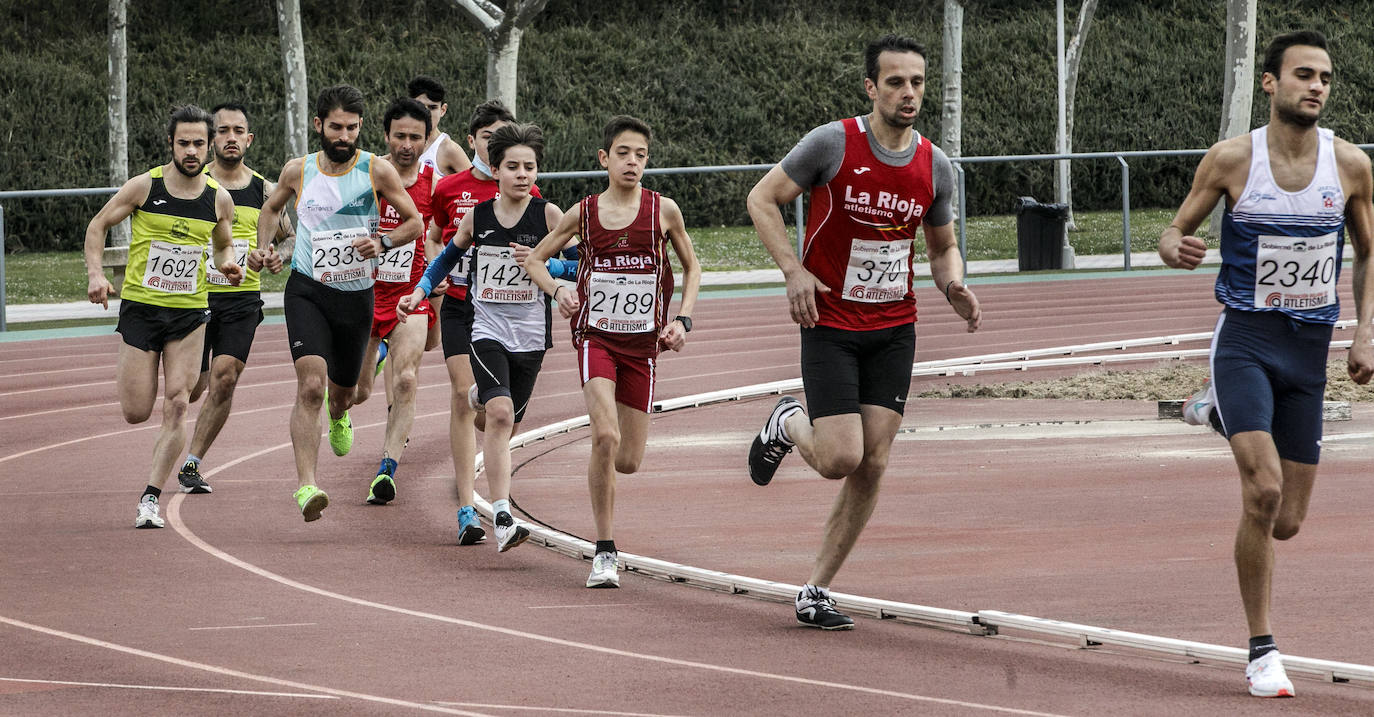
x=951, y=113
x=503, y=57
x=117, y=103
x=297, y=96
x=1238, y=90
x=1073, y=57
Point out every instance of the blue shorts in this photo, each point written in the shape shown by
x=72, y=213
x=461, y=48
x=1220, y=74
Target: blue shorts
x=1269, y=374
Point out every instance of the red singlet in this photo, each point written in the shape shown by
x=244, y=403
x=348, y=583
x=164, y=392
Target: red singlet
x=624, y=280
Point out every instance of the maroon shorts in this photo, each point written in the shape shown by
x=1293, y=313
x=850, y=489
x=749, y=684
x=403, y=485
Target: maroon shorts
x=633, y=375
x=384, y=318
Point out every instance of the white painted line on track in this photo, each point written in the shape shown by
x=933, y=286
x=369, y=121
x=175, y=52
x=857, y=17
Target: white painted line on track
x=559, y=710
x=169, y=688
x=175, y=521
x=232, y=672
x=254, y=627
x=575, y=607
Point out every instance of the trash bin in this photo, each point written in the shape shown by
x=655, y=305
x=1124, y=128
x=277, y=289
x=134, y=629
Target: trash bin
x=1039, y=234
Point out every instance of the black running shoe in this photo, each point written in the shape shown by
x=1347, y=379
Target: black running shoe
x=817, y=609
x=769, y=445
x=190, y=479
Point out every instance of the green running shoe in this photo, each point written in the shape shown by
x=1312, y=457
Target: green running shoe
x=383, y=489
x=312, y=501
x=341, y=434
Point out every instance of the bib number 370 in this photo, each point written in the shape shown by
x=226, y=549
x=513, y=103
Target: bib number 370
x=878, y=271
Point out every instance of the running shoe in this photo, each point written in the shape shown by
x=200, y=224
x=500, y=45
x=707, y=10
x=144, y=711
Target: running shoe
x=476, y=405
x=815, y=608
x=1200, y=408
x=382, y=349
x=341, y=434
x=383, y=488
x=604, y=573
x=1267, y=677
x=191, y=480
x=770, y=445
x=470, y=530
x=148, y=513
x=312, y=501
x=508, y=534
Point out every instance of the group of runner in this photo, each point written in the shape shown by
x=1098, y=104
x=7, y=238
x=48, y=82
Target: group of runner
x=1293, y=195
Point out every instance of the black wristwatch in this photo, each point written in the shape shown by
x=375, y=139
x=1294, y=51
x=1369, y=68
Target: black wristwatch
x=386, y=243
x=686, y=323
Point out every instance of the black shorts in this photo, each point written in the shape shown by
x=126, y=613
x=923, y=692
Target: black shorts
x=326, y=322
x=499, y=372
x=843, y=369
x=455, y=326
x=148, y=328
x=234, y=319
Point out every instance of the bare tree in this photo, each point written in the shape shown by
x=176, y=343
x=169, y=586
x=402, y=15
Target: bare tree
x=1073, y=57
x=1238, y=91
x=952, y=112
x=293, y=71
x=117, y=112
x=502, y=30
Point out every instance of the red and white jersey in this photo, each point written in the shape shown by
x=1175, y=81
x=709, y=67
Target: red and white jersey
x=454, y=196
x=860, y=233
x=404, y=265
x=624, y=279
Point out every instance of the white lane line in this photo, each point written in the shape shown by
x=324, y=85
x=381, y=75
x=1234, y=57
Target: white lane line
x=168, y=688
x=177, y=524
x=574, y=607
x=254, y=627
x=232, y=672
x=564, y=710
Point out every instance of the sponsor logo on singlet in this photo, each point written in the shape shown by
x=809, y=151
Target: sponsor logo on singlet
x=886, y=205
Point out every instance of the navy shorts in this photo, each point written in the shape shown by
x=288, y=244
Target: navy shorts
x=1269, y=374
x=843, y=369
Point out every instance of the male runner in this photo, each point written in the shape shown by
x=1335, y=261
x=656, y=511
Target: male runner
x=235, y=311
x=511, y=327
x=175, y=212
x=619, y=314
x=406, y=124
x=440, y=152
x=872, y=180
x=328, y=298
x=1293, y=193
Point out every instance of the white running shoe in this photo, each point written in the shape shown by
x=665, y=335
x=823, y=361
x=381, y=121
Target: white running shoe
x=604, y=573
x=1267, y=677
x=509, y=535
x=148, y=516
x=1197, y=410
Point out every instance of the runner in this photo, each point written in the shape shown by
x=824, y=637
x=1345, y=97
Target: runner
x=328, y=298
x=619, y=314
x=873, y=180
x=1293, y=193
x=511, y=322
x=175, y=212
x=406, y=124
x=235, y=311
x=441, y=153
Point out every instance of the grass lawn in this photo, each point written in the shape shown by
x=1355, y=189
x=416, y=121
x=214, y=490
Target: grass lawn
x=32, y=278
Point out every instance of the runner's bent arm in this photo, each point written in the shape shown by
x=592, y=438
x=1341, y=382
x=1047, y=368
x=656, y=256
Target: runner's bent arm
x=774, y=190
x=547, y=247
x=387, y=182
x=273, y=210
x=222, y=238
x=947, y=269
x=1355, y=167
x=129, y=197
x=1177, y=246
x=674, y=335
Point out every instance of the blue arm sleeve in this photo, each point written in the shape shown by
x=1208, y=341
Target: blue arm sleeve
x=440, y=267
x=571, y=253
x=562, y=269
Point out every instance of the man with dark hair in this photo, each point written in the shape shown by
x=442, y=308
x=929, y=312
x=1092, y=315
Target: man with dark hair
x=441, y=152
x=328, y=299
x=175, y=216
x=1294, y=192
x=235, y=311
x=873, y=181
x=405, y=123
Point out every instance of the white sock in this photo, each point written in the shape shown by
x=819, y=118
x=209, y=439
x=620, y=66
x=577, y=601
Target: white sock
x=500, y=506
x=807, y=590
x=783, y=425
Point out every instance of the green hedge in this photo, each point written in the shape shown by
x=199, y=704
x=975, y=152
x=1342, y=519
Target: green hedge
x=722, y=82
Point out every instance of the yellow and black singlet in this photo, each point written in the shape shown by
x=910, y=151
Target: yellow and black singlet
x=167, y=250
x=248, y=203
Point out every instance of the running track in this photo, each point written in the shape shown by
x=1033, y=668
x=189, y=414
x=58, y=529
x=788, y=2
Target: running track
x=239, y=607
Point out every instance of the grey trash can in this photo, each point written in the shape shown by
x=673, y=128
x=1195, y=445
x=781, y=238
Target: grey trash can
x=1039, y=234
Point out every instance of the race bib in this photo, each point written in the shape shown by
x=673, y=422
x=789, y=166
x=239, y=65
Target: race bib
x=172, y=268
x=212, y=273
x=394, y=266
x=1295, y=272
x=877, y=272
x=499, y=279
x=333, y=259
x=461, y=270
x=621, y=303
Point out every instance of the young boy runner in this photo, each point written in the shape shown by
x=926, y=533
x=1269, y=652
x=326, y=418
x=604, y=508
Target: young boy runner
x=511, y=321
x=619, y=314
x=406, y=124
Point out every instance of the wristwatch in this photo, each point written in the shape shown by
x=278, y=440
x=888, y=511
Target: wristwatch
x=686, y=323
x=386, y=243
